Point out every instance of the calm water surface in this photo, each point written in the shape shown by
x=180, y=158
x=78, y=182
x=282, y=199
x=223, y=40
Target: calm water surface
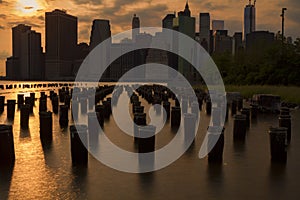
x=246, y=172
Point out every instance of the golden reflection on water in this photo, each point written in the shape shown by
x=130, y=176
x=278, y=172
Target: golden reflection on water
x=38, y=173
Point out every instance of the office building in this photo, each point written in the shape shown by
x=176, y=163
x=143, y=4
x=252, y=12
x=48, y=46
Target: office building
x=27, y=61
x=258, y=42
x=167, y=22
x=61, y=45
x=13, y=69
x=222, y=42
x=32, y=58
x=218, y=25
x=204, y=30
x=135, y=27
x=238, y=42
x=100, y=32
x=249, y=19
x=185, y=24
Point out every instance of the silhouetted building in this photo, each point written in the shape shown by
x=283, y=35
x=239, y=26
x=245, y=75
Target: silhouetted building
x=13, y=69
x=249, y=19
x=61, y=43
x=32, y=58
x=135, y=27
x=167, y=22
x=157, y=73
x=100, y=32
x=185, y=24
x=122, y=64
x=17, y=32
x=204, y=30
x=27, y=62
x=222, y=42
x=238, y=42
x=82, y=51
x=218, y=25
x=259, y=41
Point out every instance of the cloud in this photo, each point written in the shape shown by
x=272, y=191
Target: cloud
x=27, y=22
x=2, y=16
x=80, y=2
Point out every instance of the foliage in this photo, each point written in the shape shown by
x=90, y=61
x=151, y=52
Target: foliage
x=267, y=65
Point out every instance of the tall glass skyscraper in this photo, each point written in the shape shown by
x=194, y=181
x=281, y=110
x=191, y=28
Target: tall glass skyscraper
x=249, y=19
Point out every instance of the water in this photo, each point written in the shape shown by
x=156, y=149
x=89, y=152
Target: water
x=246, y=173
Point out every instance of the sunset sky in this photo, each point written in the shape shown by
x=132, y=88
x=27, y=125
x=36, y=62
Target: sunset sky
x=151, y=12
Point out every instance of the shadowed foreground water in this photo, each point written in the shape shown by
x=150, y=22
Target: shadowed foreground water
x=45, y=172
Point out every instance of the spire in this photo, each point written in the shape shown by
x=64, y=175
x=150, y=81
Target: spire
x=187, y=4
x=187, y=11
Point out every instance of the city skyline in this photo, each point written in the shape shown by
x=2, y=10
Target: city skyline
x=34, y=15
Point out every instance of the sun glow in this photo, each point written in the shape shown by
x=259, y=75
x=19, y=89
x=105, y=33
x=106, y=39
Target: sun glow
x=28, y=7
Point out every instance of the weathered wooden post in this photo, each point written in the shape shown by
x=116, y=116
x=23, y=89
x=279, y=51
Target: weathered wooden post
x=215, y=136
x=24, y=116
x=11, y=107
x=139, y=120
x=46, y=126
x=83, y=105
x=233, y=107
x=78, y=137
x=2, y=101
x=146, y=144
x=166, y=106
x=7, y=148
x=239, y=127
x=285, y=121
x=278, y=144
x=175, y=117
x=246, y=112
x=208, y=107
x=63, y=116
x=20, y=100
x=189, y=125
x=55, y=103
x=43, y=105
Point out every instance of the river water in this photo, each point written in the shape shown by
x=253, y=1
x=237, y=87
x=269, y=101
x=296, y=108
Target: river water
x=246, y=172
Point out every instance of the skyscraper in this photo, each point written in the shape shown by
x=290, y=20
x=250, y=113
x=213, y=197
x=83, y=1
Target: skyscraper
x=204, y=30
x=31, y=59
x=238, y=42
x=100, y=32
x=17, y=32
x=27, y=62
x=167, y=22
x=185, y=24
x=13, y=68
x=135, y=27
x=61, y=43
x=218, y=25
x=249, y=19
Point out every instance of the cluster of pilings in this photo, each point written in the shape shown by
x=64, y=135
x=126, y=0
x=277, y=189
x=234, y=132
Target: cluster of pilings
x=280, y=137
x=61, y=104
x=86, y=99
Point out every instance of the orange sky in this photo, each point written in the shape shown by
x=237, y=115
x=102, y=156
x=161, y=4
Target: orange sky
x=119, y=12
